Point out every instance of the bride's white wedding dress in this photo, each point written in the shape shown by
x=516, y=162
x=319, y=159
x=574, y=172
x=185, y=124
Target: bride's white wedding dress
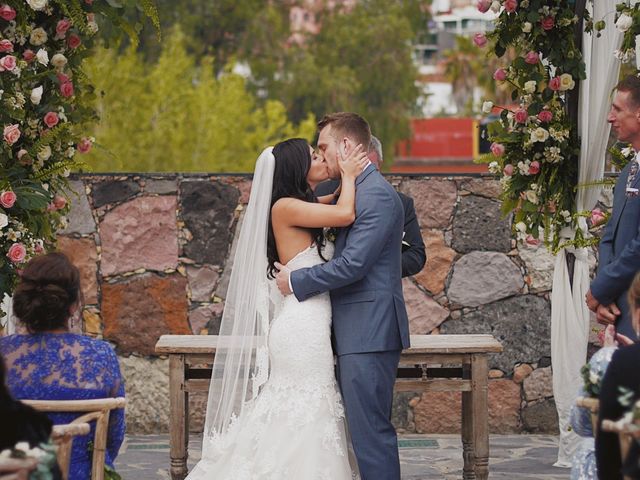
x=295, y=428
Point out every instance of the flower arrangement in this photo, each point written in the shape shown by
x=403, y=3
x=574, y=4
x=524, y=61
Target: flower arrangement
x=45, y=455
x=535, y=146
x=45, y=105
x=593, y=372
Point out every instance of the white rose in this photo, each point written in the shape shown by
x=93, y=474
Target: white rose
x=495, y=6
x=43, y=57
x=566, y=82
x=92, y=26
x=44, y=153
x=36, y=95
x=58, y=60
x=487, y=107
x=38, y=37
x=37, y=4
x=521, y=227
x=530, y=86
x=593, y=377
x=539, y=135
x=526, y=27
x=532, y=196
x=494, y=167
x=4, y=221
x=624, y=22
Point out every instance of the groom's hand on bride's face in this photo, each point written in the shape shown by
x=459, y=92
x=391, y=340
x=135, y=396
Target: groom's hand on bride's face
x=282, y=279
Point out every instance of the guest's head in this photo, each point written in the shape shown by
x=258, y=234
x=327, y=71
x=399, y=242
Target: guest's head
x=633, y=296
x=375, y=152
x=47, y=294
x=624, y=115
x=339, y=134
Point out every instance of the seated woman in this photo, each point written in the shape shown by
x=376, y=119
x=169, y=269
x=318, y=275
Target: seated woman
x=621, y=376
x=49, y=363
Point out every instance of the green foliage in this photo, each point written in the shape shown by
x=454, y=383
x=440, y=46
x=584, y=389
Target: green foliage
x=175, y=115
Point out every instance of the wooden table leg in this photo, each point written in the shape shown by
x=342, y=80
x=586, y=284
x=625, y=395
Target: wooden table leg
x=480, y=414
x=468, y=469
x=178, y=428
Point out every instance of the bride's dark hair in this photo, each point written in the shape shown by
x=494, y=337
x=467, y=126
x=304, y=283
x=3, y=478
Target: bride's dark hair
x=292, y=165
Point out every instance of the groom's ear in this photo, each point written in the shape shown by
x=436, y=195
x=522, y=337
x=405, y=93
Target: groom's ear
x=346, y=145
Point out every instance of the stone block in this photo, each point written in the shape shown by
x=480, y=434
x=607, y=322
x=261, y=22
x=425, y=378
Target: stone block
x=434, y=200
x=479, y=225
x=538, y=385
x=521, y=372
x=483, y=277
x=522, y=324
x=206, y=317
x=202, y=282
x=161, y=186
x=402, y=413
x=137, y=311
x=113, y=191
x=92, y=321
x=208, y=211
x=80, y=218
x=540, y=265
x=425, y=314
x=540, y=417
x=440, y=412
x=83, y=254
x=139, y=234
x=439, y=259
x=483, y=187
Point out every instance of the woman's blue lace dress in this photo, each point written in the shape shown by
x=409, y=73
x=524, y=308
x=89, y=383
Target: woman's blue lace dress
x=67, y=366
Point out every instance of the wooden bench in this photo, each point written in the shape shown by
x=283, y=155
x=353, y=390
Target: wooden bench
x=433, y=363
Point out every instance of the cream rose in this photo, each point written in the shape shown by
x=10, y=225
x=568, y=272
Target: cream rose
x=532, y=196
x=530, y=86
x=43, y=57
x=526, y=26
x=38, y=4
x=487, y=107
x=539, y=135
x=44, y=153
x=38, y=37
x=566, y=82
x=36, y=95
x=58, y=60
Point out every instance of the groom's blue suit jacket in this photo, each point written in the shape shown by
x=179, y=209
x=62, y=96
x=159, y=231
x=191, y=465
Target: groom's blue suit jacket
x=364, y=276
x=619, y=252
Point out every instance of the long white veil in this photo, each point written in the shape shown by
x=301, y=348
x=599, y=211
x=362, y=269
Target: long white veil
x=241, y=363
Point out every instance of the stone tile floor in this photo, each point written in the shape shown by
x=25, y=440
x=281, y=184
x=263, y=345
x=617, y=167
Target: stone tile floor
x=513, y=457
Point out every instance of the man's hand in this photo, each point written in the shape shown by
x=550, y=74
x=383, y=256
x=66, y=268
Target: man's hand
x=592, y=302
x=606, y=314
x=16, y=469
x=282, y=279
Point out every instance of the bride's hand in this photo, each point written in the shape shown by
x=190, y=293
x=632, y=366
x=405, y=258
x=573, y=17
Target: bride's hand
x=354, y=163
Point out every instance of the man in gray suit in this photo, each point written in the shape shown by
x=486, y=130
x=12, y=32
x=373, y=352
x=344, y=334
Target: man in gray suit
x=370, y=325
x=619, y=252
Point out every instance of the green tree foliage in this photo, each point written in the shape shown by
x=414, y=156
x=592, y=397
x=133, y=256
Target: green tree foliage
x=176, y=115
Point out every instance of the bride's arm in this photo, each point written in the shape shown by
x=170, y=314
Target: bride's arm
x=298, y=213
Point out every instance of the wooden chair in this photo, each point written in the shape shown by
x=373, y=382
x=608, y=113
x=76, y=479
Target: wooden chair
x=593, y=405
x=626, y=435
x=98, y=410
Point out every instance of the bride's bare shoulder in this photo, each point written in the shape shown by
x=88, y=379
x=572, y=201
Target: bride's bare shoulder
x=285, y=204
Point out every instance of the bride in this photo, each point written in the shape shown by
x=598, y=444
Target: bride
x=274, y=410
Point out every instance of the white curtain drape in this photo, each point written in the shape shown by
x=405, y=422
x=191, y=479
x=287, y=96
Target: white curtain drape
x=569, y=313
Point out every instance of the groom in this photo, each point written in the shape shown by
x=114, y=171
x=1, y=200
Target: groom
x=370, y=325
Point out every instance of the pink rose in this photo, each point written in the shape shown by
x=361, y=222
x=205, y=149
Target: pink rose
x=66, y=89
x=74, y=41
x=88, y=2
x=545, y=116
x=532, y=57
x=85, y=145
x=500, y=75
x=521, y=115
x=555, y=83
x=11, y=133
x=510, y=5
x=62, y=77
x=534, y=167
x=17, y=253
x=7, y=63
x=62, y=27
x=6, y=46
x=28, y=55
x=497, y=149
x=508, y=170
x=7, y=13
x=59, y=202
x=547, y=23
x=480, y=40
x=597, y=217
x=51, y=119
x=530, y=240
x=484, y=5
x=7, y=199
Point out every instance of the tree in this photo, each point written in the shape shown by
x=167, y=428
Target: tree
x=175, y=115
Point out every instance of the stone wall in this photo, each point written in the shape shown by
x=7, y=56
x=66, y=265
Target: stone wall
x=153, y=252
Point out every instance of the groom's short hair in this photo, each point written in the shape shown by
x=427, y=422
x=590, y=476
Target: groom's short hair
x=348, y=124
x=631, y=84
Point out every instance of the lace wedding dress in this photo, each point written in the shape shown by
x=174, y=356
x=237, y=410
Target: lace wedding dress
x=295, y=428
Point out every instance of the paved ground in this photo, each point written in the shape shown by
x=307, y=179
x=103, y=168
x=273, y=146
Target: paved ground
x=513, y=457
